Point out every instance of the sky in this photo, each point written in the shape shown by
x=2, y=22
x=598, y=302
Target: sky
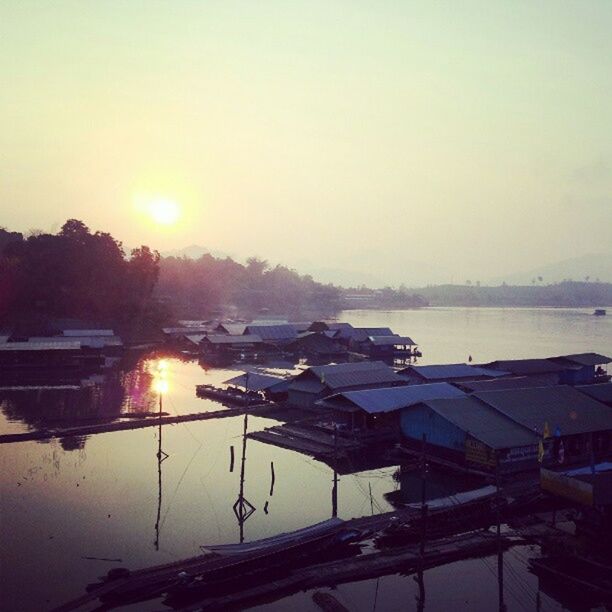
x=400, y=140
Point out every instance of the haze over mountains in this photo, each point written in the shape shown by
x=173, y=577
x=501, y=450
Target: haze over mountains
x=377, y=269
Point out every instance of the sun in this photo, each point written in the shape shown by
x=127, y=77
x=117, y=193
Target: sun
x=163, y=211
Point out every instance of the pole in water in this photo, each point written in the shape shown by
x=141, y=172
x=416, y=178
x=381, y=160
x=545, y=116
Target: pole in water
x=371, y=498
x=273, y=478
x=335, y=485
x=231, y=458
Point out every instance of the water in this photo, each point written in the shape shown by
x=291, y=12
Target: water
x=65, y=500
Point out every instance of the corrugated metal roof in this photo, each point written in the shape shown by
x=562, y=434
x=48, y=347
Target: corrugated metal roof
x=560, y=406
x=88, y=332
x=452, y=370
x=41, y=346
x=257, y=381
x=482, y=422
x=361, y=334
x=195, y=338
x=375, y=401
x=601, y=392
x=227, y=339
x=184, y=330
x=94, y=341
x=234, y=329
x=584, y=359
x=343, y=375
x=272, y=332
x=390, y=340
x=525, y=366
x=513, y=382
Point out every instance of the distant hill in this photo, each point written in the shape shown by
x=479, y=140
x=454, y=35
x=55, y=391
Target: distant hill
x=194, y=251
x=595, y=266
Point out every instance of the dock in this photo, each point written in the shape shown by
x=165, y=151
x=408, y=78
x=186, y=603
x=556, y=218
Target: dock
x=306, y=439
x=86, y=430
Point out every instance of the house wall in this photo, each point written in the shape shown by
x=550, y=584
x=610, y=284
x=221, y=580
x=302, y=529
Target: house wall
x=584, y=375
x=418, y=420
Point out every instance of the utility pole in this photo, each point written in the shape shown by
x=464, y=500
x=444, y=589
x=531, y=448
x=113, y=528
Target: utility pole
x=243, y=509
x=161, y=457
x=500, y=552
x=335, y=485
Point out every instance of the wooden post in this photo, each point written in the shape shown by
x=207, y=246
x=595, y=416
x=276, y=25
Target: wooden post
x=335, y=485
x=423, y=496
x=500, y=553
x=273, y=480
x=231, y=458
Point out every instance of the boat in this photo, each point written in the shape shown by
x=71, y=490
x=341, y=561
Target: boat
x=575, y=574
x=600, y=312
x=269, y=556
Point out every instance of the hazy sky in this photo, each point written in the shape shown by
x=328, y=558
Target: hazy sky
x=472, y=136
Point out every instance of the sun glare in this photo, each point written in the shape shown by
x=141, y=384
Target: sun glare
x=163, y=211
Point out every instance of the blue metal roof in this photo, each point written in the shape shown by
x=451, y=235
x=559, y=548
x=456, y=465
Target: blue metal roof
x=375, y=401
x=452, y=370
x=483, y=422
x=254, y=381
x=560, y=406
x=272, y=332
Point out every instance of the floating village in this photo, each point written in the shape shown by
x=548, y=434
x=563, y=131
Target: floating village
x=528, y=443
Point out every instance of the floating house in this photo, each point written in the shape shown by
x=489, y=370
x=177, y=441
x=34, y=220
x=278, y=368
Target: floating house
x=383, y=347
x=469, y=433
x=360, y=335
x=495, y=384
x=342, y=332
x=318, y=345
x=273, y=388
x=545, y=371
x=453, y=372
x=50, y=354
x=232, y=329
x=601, y=392
x=582, y=368
x=278, y=335
x=571, y=422
x=374, y=411
x=223, y=345
x=318, y=382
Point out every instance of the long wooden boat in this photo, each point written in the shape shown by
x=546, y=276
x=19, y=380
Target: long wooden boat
x=230, y=561
x=576, y=574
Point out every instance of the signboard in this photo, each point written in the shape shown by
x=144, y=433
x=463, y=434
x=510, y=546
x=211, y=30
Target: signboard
x=477, y=452
x=565, y=486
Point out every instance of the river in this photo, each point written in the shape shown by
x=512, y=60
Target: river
x=65, y=500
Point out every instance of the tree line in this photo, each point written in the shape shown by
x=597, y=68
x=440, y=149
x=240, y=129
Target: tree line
x=76, y=274
x=214, y=286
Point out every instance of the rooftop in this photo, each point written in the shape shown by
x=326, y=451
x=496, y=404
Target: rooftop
x=583, y=359
x=452, y=370
x=390, y=340
x=375, y=401
x=227, y=339
x=527, y=367
x=283, y=331
x=560, y=406
x=337, y=376
x=254, y=381
x=601, y=392
x=482, y=422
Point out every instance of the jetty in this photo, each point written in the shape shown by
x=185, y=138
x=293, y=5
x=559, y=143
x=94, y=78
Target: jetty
x=85, y=430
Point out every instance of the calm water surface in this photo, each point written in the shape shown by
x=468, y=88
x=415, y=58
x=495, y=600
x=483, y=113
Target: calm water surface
x=62, y=501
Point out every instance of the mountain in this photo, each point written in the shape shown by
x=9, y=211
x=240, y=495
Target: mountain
x=194, y=251
x=595, y=266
